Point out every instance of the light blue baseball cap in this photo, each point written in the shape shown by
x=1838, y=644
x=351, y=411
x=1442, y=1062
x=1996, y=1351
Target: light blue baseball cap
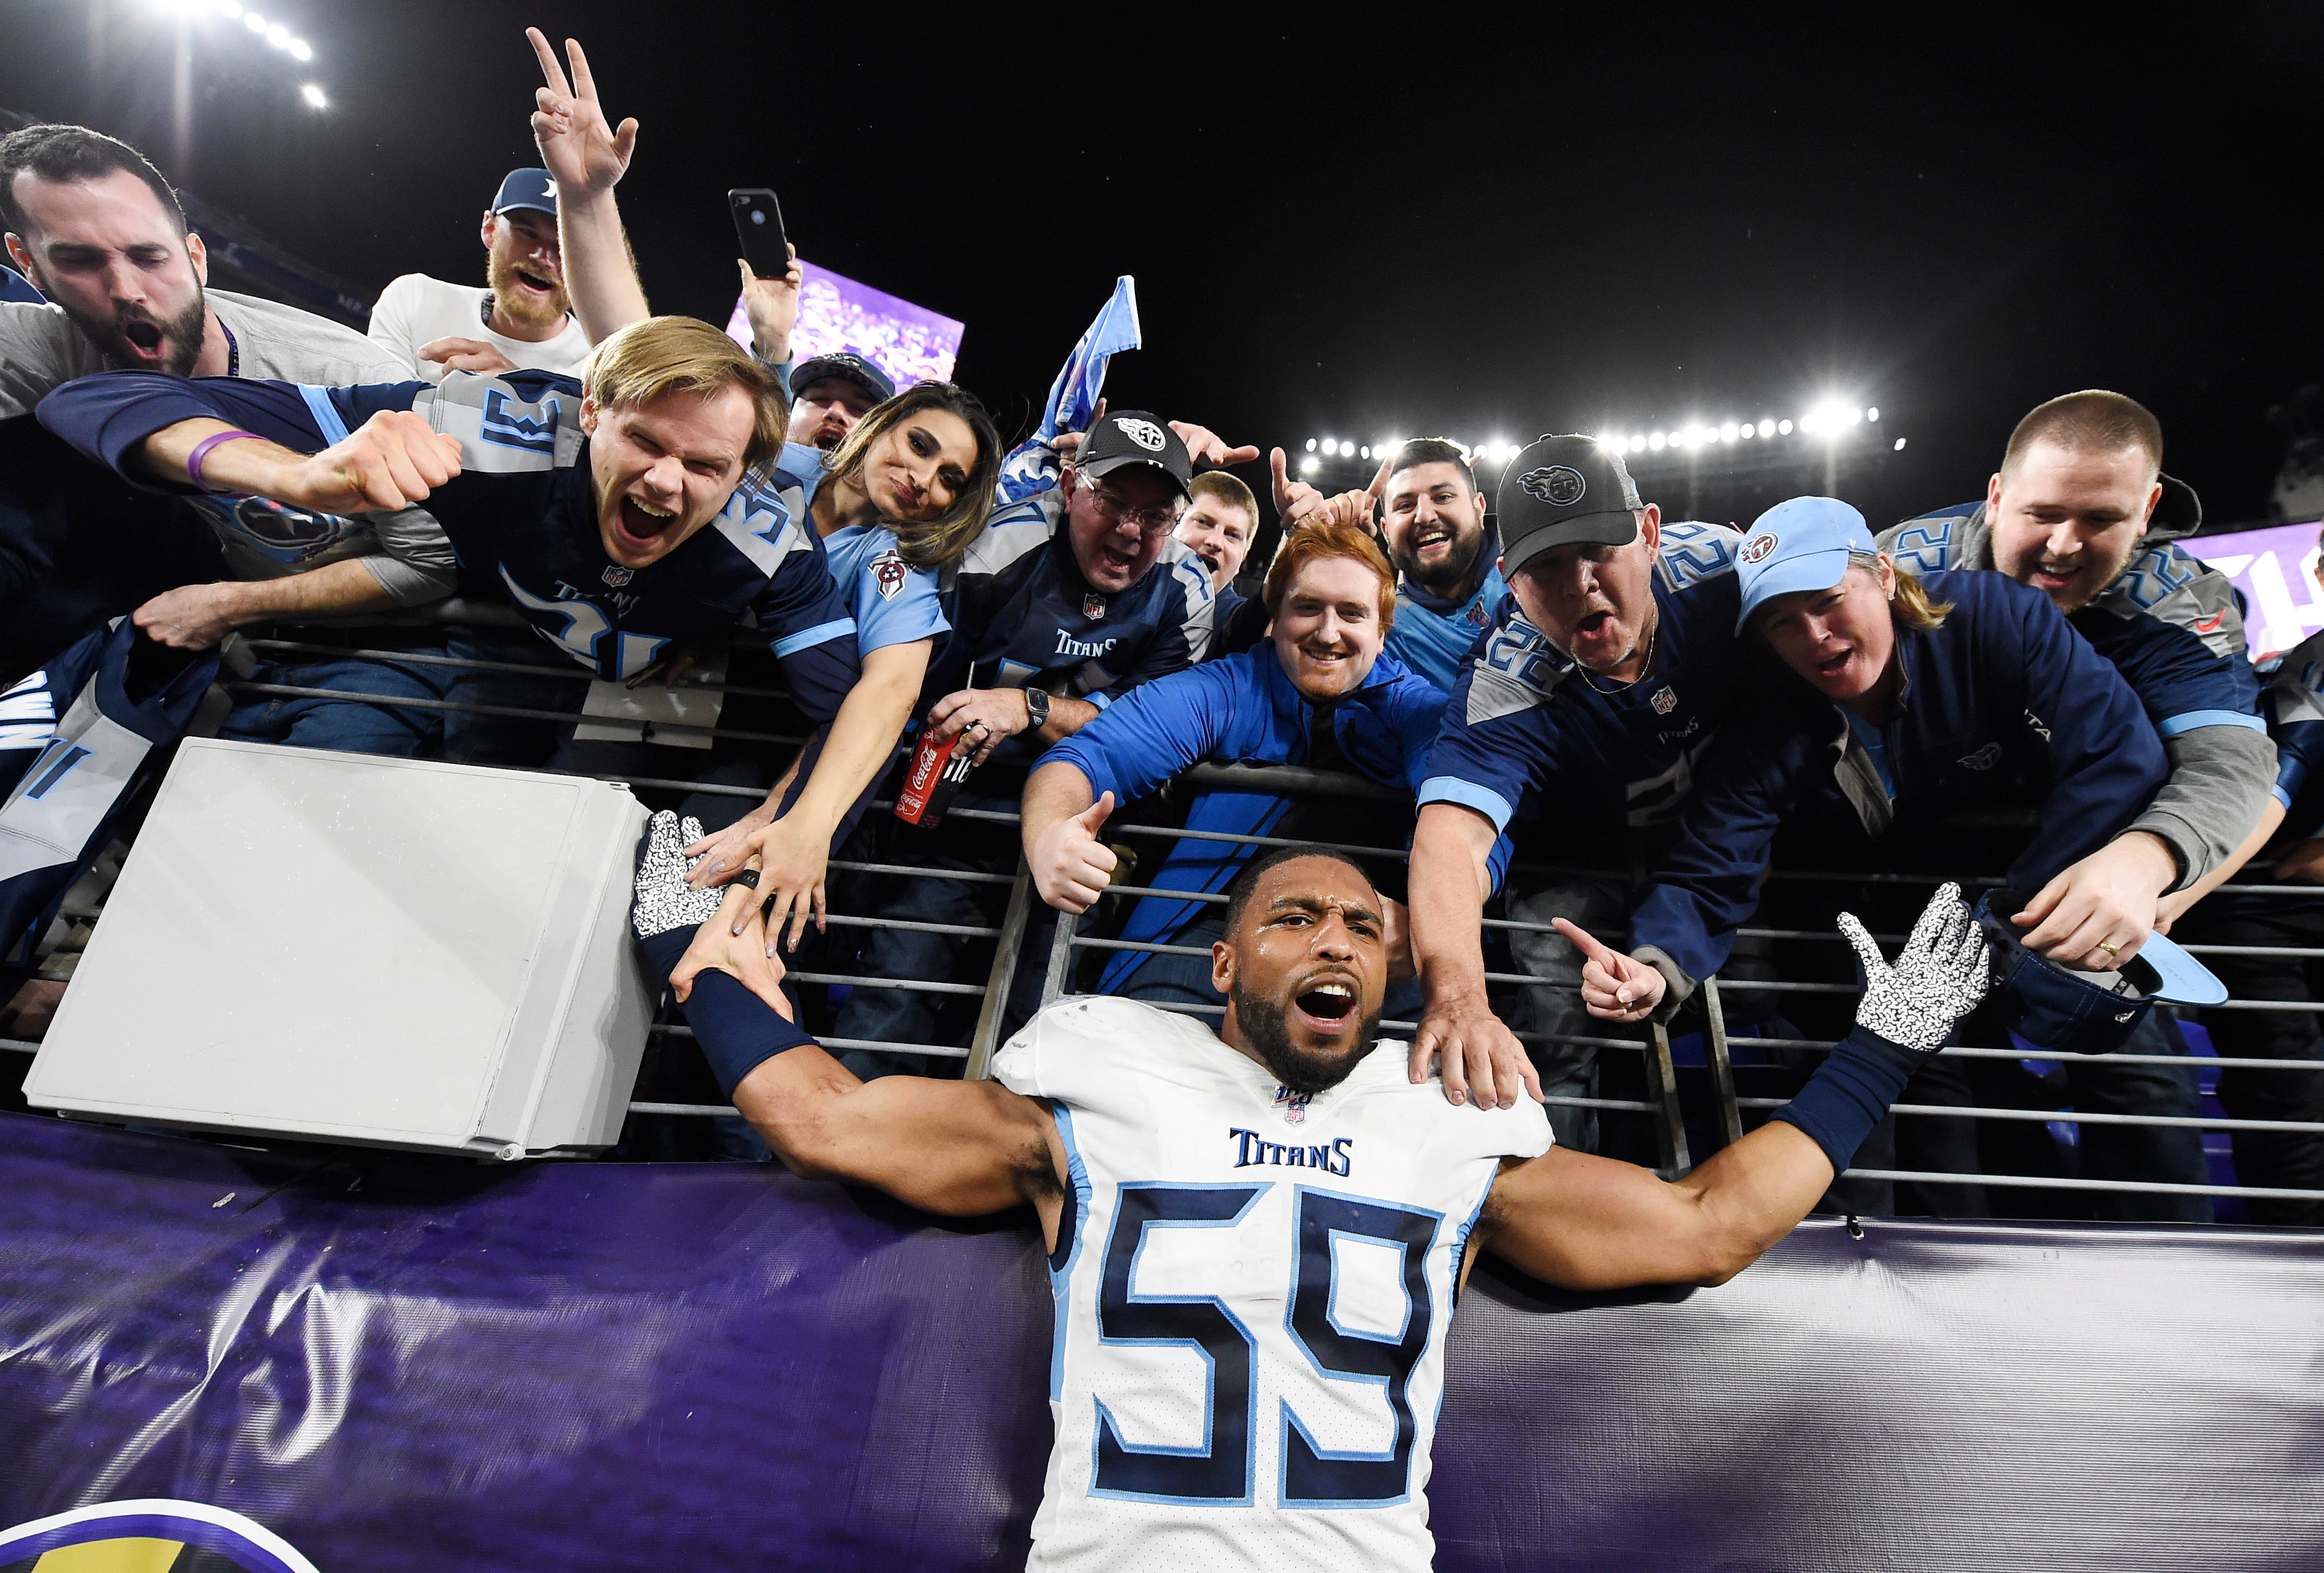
x=1803, y=544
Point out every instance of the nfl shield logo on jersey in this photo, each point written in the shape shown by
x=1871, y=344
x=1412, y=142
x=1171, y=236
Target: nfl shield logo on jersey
x=1664, y=701
x=1294, y=1105
x=617, y=576
x=1092, y=606
x=887, y=573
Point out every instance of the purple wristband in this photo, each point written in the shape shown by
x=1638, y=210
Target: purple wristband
x=202, y=451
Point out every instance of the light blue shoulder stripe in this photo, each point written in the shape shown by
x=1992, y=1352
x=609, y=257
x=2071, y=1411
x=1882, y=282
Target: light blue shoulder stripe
x=326, y=413
x=806, y=638
x=1469, y=794
x=2193, y=720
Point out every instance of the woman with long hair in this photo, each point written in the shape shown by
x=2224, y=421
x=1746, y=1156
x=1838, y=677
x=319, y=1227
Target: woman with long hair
x=896, y=504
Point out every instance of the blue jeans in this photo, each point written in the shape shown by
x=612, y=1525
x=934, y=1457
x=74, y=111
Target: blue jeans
x=1568, y=1070
x=505, y=739
x=899, y=1016
x=347, y=726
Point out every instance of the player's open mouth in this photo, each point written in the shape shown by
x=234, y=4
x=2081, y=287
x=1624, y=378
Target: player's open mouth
x=534, y=282
x=1115, y=557
x=1429, y=536
x=1595, y=623
x=641, y=524
x=1834, y=665
x=2047, y=577
x=143, y=337
x=1327, y=1006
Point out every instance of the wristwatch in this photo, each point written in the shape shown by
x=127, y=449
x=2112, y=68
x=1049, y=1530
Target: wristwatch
x=1037, y=708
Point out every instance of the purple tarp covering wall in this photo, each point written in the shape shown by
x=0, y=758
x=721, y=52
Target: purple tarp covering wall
x=408, y=1363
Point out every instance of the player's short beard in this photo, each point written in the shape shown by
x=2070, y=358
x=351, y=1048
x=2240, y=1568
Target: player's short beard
x=519, y=302
x=183, y=334
x=1265, y=1028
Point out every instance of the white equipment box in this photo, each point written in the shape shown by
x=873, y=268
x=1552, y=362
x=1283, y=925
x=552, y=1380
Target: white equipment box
x=387, y=951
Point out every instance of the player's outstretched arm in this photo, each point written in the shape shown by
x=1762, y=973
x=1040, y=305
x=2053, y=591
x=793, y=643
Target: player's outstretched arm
x=1587, y=1222
x=958, y=1149
x=954, y=1147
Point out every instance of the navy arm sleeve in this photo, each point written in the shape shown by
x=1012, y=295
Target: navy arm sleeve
x=109, y=415
x=1709, y=881
x=1153, y=732
x=2108, y=761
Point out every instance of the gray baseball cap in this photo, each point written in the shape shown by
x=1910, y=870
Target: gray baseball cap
x=1564, y=490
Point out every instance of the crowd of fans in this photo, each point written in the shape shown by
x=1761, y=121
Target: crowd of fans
x=1586, y=723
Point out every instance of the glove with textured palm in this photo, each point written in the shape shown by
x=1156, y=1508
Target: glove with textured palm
x=1937, y=979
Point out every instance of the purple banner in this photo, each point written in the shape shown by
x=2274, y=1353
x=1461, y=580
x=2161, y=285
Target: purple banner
x=353, y=1361
x=910, y=342
x=2275, y=568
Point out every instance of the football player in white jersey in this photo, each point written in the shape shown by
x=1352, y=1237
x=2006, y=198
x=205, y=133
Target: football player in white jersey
x=1257, y=1234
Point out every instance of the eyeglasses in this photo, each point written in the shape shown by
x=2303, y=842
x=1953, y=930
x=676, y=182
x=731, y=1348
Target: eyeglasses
x=1149, y=521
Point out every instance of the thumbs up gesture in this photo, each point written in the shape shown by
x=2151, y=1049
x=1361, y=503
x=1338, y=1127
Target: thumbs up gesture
x=1070, y=867
x=1613, y=985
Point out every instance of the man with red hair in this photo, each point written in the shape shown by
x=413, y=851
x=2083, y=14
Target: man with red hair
x=1318, y=693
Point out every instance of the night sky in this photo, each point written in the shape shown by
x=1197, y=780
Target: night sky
x=1353, y=226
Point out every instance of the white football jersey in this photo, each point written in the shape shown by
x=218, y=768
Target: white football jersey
x=1252, y=1295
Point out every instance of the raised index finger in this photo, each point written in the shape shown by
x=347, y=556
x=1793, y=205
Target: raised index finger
x=1590, y=948
x=1379, y=481
x=549, y=67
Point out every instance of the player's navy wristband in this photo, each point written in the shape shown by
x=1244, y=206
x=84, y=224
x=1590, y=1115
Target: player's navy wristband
x=738, y=1031
x=1846, y=1098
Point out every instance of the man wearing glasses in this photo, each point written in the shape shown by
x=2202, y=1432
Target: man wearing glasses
x=1071, y=598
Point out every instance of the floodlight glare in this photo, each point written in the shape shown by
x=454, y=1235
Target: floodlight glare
x=229, y=9
x=301, y=50
x=1900, y=445
x=1657, y=442
x=1307, y=466
x=1783, y=427
x=1311, y=445
x=1745, y=430
x=314, y=97
x=1637, y=442
x=253, y=21
x=1331, y=445
x=1364, y=453
x=278, y=36
x=1873, y=413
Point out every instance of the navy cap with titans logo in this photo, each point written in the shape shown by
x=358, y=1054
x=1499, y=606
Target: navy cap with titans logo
x=1131, y=436
x=1564, y=490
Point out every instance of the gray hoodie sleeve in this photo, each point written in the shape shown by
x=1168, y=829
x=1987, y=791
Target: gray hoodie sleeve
x=2220, y=780
x=415, y=563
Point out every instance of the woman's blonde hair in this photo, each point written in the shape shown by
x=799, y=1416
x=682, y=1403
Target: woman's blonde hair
x=1910, y=607
x=944, y=540
x=683, y=354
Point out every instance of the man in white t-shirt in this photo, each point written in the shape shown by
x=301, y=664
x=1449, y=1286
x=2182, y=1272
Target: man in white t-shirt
x=519, y=320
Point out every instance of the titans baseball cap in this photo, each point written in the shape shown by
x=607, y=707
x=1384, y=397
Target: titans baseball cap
x=1132, y=437
x=2086, y=1012
x=1564, y=490
x=855, y=369
x=530, y=189
x=1803, y=544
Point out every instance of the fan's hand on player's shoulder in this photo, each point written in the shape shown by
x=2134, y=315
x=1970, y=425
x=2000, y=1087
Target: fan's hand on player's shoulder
x=1479, y=1059
x=1615, y=987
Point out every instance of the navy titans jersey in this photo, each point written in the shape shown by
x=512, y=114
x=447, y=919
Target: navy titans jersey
x=1529, y=731
x=1023, y=617
x=522, y=516
x=2169, y=622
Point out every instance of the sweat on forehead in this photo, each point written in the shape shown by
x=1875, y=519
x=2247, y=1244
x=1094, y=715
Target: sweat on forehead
x=1247, y=883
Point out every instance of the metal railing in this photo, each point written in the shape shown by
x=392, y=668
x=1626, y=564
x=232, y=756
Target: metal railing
x=1662, y=1104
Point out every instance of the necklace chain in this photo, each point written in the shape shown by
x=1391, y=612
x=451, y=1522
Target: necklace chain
x=1644, y=666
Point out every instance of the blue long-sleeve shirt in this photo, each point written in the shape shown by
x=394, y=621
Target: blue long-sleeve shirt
x=1241, y=709
x=2004, y=704
x=522, y=516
